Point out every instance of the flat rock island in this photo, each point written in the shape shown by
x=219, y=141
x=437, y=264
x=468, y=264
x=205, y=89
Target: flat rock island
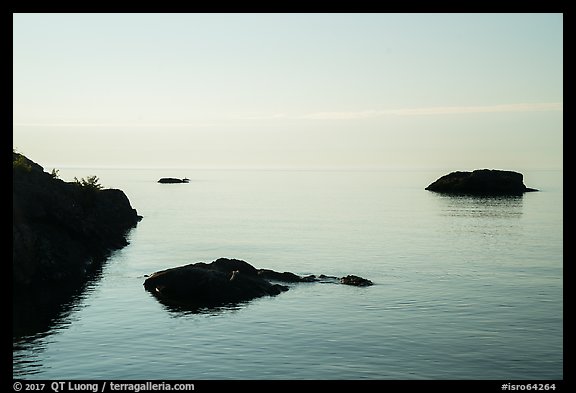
x=481, y=182
x=173, y=180
x=226, y=281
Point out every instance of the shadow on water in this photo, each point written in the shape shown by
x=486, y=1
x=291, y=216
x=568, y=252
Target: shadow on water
x=480, y=206
x=39, y=312
x=176, y=309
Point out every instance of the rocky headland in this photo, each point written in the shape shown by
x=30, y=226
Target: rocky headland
x=481, y=182
x=62, y=231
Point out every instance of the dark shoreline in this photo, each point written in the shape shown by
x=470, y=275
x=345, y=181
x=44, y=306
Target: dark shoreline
x=63, y=233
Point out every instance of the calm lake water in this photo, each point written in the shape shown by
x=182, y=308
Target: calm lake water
x=465, y=288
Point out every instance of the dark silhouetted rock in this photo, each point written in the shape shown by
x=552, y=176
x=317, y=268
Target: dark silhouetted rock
x=210, y=284
x=173, y=180
x=225, y=281
x=62, y=233
x=481, y=182
x=277, y=276
x=355, y=280
x=62, y=230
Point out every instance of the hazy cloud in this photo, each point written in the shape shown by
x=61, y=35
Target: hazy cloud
x=336, y=115
x=439, y=110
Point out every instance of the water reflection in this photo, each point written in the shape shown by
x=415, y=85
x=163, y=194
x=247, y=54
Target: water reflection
x=480, y=206
x=181, y=309
x=39, y=313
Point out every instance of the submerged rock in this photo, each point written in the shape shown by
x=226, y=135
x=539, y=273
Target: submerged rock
x=481, y=182
x=284, y=276
x=355, y=280
x=225, y=281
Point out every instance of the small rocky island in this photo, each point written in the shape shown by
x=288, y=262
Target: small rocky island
x=62, y=231
x=173, y=180
x=226, y=281
x=483, y=182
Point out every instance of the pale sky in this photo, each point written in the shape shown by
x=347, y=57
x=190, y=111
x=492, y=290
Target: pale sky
x=460, y=91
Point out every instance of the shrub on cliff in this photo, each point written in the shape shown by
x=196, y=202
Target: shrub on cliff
x=20, y=163
x=91, y=183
